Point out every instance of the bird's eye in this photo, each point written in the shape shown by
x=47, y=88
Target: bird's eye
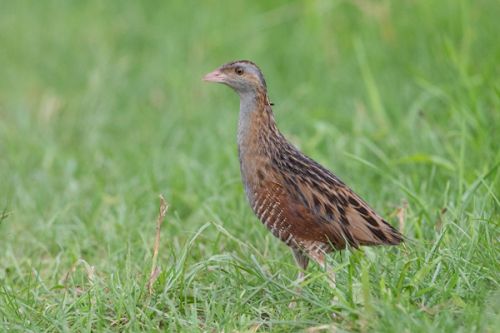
x=239, y=70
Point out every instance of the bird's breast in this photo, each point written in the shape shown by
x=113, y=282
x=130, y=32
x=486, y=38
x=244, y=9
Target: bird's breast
x=253, y=167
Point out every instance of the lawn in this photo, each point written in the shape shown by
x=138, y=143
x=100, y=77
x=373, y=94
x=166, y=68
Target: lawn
x=102, y=109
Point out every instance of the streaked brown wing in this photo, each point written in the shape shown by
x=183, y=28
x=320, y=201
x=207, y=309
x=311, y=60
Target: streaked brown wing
x=325, y=201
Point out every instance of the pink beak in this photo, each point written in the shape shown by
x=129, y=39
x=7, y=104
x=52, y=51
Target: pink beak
x=215, y=76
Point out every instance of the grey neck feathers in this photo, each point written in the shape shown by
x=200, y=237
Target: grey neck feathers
x=248, y=105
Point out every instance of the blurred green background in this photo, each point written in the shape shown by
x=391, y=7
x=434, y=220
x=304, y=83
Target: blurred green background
x=102, y=108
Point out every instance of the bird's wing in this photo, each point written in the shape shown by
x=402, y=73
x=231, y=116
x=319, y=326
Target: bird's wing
x=340, y=213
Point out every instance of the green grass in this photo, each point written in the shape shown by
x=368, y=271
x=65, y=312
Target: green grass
x=102, y=108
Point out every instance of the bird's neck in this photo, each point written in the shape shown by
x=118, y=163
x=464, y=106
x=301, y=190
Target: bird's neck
x=255, y=117
x=256, y=128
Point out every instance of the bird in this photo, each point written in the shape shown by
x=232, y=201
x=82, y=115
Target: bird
x=302, y=203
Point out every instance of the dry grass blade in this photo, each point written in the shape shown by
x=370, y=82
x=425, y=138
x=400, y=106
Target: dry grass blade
x=321, y=328
x=155, y=269
x=401, y=214
x=4, y=215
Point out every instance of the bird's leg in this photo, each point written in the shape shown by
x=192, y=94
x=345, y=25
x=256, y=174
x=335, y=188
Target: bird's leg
x=320, y=259
x=331, y=277
x=302, y=261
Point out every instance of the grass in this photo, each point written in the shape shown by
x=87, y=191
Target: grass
x=102, y=109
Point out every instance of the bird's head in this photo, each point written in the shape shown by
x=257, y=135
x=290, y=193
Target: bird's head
x=243, y=76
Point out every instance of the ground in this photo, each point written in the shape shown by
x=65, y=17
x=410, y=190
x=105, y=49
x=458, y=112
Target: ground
x=102, y=109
